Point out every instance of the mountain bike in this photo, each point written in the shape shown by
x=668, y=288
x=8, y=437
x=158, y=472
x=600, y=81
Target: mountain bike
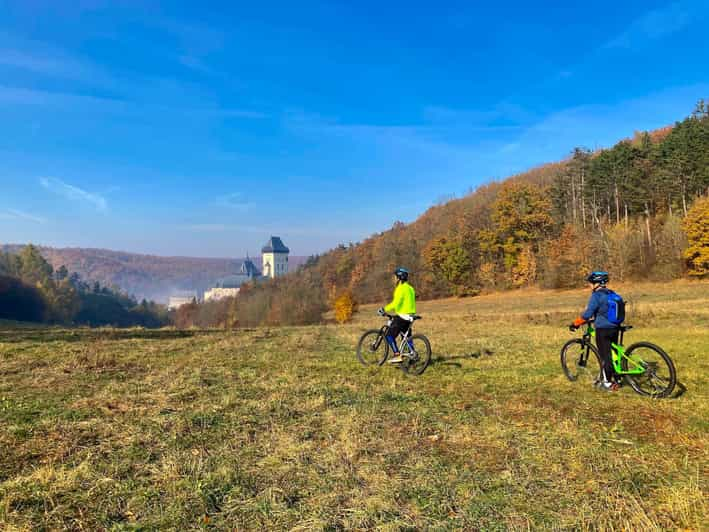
x=415, y=349
x=645, y=366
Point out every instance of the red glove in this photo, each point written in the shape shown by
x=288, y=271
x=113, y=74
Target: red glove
x=578, y=322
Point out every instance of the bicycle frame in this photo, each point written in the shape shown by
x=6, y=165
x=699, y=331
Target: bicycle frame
x=405, y=342
x=618, y=353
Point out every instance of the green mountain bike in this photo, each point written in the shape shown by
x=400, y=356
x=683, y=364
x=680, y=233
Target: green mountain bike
x=644, y=366
x=415, y=349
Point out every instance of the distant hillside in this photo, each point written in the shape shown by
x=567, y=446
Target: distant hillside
x=635, y=209
x=144, y=276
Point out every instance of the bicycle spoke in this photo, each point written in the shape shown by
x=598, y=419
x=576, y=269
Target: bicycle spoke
x=653, y=378
x=657, y=378
x=372, y=348
x=417, y=356
x=580, y=363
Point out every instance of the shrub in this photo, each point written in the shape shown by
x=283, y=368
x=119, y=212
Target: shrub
x=345, y=307
x=696, y=226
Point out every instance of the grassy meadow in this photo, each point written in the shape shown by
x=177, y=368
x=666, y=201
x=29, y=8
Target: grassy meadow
x=282, y=428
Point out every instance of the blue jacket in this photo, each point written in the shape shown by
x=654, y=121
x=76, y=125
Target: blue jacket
x=598, y=309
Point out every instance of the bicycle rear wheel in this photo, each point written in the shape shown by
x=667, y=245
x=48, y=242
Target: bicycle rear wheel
x=416, y=361
x=658, y=379
x=372, y=348
x=580, y=361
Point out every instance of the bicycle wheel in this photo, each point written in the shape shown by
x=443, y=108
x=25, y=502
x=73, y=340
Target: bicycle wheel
x=372, y=348
x=658, y=379
x=416, y=361
x=580, y=361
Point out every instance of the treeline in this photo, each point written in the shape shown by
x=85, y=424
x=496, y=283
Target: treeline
x=296, y=299
x=31, y=290
x=146, y=276
x=633, y=209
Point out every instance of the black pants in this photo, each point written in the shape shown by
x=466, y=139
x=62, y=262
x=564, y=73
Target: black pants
x=604, y=337
x=398, y=326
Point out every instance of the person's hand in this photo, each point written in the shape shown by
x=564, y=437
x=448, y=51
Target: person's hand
x=380, y=311
x=572, y=327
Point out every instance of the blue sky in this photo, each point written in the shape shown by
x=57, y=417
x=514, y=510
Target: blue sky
x=201, y=129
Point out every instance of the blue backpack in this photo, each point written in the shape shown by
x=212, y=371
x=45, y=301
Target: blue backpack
x=616, y=308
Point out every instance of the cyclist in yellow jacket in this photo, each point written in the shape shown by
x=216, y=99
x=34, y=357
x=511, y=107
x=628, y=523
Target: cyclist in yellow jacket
x=403, y=305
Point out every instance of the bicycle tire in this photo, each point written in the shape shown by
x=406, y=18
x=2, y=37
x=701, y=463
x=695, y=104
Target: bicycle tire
x=374, y=357
x=575, y=371
x=418, y=366
x=650, y=376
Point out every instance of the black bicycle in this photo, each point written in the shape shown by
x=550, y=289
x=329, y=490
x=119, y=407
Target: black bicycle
x=645, y=366
x=415, y=349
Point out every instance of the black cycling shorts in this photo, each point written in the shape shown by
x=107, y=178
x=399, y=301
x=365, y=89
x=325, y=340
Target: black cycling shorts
x=398, y=326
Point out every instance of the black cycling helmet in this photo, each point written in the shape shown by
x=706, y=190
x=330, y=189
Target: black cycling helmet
x=598, y=278
x=402, y=274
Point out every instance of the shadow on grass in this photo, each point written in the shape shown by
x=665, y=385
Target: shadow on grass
x=679, y=391
x=448, y=360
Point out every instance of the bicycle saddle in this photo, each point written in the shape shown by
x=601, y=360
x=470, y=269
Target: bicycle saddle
x=625, y=327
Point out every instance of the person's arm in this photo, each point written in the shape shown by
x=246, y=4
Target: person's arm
x=593, y=305
x=590, y=312
x=396, y=301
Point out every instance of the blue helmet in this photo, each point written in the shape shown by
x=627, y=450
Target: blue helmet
x=598, y=278
x=402, y=274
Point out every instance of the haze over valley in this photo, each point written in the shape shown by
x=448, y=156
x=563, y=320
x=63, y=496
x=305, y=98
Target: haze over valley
x=149, y=277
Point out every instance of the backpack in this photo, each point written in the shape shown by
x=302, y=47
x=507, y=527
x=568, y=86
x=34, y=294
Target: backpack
x=616, y=308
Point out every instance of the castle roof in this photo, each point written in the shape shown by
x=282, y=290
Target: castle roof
x=232, y=281
x=275, y=245
x=249, y=268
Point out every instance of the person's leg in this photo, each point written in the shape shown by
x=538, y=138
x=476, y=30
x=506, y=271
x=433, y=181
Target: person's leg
x=613, y=338
x=393, y=334
x=604, y=337
x=398, y=326
x=404, y=326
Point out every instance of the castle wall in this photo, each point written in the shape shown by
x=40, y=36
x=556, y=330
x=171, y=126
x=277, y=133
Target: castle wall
x=278, y=264
x=215, y=294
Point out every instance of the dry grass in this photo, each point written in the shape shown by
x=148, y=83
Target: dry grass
x=282, y=429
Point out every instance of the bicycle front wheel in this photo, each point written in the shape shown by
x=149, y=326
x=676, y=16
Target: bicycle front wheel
x=372, y=348
x=658, y=378
x=416, y=360
x=580, y=361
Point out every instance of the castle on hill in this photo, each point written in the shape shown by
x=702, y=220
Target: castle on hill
x=274, y=261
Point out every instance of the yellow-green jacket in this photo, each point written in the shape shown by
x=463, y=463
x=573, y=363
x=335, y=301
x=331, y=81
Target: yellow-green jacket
x=404, y=301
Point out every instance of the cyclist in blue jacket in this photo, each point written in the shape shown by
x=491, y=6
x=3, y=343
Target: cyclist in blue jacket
x=606, y=331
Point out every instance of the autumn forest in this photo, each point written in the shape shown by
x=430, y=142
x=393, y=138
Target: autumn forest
x=638, y=209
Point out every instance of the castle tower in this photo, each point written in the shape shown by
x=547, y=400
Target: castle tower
x=275, y=258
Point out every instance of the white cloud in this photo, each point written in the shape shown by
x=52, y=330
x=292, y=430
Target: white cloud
x=659, y=23
x=265, y=230
x=600, y=125
x=209, y=228
x=24, y=96
x=14, y=214
x=502, y=115
x=235, y=201
x=47, y=63
x=73, y=193
x=145, y=93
